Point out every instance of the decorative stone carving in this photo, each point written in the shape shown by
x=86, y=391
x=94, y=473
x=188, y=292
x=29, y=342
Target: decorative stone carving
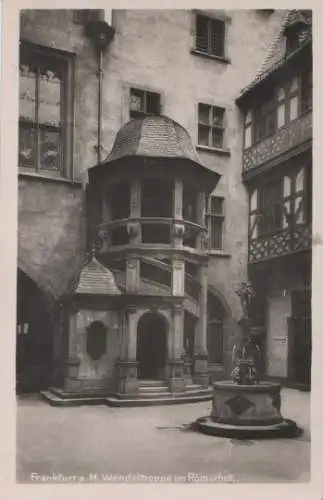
x=204, y=241
x=239, y=404
x=179, y=230
x=133, y=229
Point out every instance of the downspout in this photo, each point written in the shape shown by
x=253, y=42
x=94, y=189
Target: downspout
x=100, y=83
x=101, y=33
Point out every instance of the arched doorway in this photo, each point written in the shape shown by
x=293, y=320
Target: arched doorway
x=34, y=347
x=151, y=346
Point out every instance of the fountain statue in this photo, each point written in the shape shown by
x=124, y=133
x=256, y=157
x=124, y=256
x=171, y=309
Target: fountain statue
x=246, y=407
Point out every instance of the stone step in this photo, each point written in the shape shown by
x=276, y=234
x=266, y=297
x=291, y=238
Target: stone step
x=151, y=383
x=183, y=398
x=148, y=389
x=55, y=400
x=199, y=390
x=153, y=395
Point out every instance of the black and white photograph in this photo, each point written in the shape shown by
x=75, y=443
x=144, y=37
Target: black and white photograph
x=164, y=245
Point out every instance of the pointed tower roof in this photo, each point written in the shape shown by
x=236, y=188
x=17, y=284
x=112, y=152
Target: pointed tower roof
x=277, y=54
x=96, y=279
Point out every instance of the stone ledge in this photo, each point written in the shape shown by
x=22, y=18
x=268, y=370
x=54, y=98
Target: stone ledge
x=48, y=178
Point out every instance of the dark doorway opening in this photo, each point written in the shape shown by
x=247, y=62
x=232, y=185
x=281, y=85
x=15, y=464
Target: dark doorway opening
x=301, y=340
x=151, y=347
x=34, y=347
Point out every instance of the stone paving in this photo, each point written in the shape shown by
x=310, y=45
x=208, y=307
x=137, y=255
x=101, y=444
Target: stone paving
x=98, y=443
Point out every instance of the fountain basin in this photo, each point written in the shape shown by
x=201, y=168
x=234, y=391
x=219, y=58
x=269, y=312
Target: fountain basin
x=247, y=412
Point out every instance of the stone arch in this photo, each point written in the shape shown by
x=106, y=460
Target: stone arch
x=37, y=278
x=159, y=312
x=35, y=335
x=221, y=299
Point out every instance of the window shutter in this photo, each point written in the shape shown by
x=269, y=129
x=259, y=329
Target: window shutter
x=202, y=33
x=217, y=37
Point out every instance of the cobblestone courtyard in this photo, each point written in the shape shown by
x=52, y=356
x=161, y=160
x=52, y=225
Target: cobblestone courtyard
x=98, y=442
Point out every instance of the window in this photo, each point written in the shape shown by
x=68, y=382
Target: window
x=281, y=204
x=210, y=35
x=44, y=110
x=288, y=102
x=143, y=102
x=215, y=221
x=306, y=90
x=271, y=208
x=264, y=120
x=210, y=126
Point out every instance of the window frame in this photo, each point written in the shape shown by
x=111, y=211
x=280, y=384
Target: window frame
x=133, y=114
x=210, y=126
x=263, y=210
x=32, y=51
x=250, y=116
x=306, y=72
x=210, y=21
x=212, y=215
x=263, y=103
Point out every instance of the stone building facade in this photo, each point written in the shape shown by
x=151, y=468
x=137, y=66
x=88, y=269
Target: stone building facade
x=74, y=99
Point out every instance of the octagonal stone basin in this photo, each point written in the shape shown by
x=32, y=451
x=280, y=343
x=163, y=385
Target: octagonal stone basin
x=247, y=411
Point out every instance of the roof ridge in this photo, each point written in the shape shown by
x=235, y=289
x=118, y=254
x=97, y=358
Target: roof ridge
x=102, y=279
x=275, y=43
x=276, y=53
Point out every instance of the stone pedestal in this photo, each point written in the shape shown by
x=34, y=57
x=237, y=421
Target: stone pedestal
x=247, y=411
x=176, y=382
x=201, y=373
x=246, y=404
x=187, y=370
x=126, y=377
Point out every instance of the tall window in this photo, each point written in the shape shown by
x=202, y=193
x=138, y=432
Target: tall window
x=288, y=102
x=271, y=207
x=264, y=120
x=210, y=126
x=143, y=102
x=44, y=110
x=306, y=90
x=215, y=222
x=210, y=35
x=284, y=203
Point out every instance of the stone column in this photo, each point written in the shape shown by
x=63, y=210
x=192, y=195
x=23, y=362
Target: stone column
x=178, y=225
x=178, y=199
x=178, y=277
x=176, y=382
x=201, y=209
x=201, y=375
x=132, y=274
x=71, y=361
x=126, y=366
x=134, y=232
x=135, y=198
